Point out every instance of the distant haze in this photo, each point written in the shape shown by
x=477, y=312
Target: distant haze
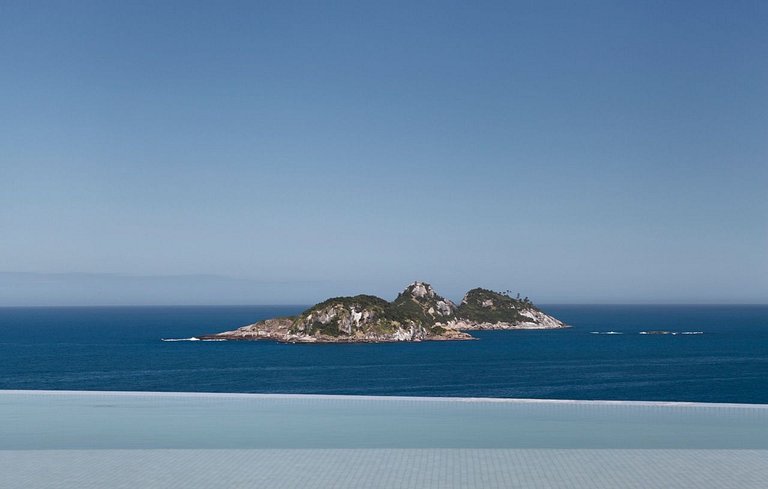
x=280, y=152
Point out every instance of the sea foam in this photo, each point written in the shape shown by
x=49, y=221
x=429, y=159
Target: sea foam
x=191, y=339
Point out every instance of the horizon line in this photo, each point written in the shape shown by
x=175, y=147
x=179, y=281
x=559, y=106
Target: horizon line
x=43, y=306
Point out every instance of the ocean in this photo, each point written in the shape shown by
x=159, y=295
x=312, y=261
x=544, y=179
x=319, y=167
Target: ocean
x=120, y=348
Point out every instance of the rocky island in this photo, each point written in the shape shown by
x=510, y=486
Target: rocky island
x=417, y=314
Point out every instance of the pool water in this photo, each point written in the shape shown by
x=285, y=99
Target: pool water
x=121, y=439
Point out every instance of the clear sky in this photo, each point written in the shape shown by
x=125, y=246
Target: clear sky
x=282, y=152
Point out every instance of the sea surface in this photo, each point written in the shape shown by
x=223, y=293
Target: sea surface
x=120, y=348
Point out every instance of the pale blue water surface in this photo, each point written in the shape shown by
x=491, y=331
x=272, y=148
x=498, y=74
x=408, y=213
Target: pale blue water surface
x=160, y=440
x=94, y=420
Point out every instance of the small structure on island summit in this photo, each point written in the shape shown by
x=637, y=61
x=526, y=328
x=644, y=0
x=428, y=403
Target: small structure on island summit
x=417, y=314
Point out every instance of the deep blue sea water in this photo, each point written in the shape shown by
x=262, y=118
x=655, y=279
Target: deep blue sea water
x=119, y=348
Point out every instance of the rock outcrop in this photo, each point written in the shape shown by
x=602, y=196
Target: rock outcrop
x=485, y=309
x=417, y=314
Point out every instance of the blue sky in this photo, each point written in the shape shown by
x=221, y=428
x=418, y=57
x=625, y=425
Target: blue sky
x=280, y=152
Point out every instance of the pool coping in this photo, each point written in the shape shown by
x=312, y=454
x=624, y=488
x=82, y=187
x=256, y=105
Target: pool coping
x=340, y=397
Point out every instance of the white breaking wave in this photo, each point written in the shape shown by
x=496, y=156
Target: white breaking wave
x=606, y=332
x=673, y=333
x=191, y=339
x=180, y=339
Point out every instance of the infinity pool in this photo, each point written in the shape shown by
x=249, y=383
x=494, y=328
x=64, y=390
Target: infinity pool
x=121, y=439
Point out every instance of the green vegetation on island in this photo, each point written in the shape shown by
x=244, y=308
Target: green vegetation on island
x=487, y=306
x=417, y=314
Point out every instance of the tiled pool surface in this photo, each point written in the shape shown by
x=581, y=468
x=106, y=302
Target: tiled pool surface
x=90, y=439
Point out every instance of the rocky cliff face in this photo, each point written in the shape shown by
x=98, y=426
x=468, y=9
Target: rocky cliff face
x=365, y=318
x=420, y=302
x=417, y=314
x=486, y=309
